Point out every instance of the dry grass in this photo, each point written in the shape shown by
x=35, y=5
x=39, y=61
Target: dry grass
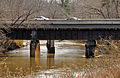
x=106, y=66
x=109, y=65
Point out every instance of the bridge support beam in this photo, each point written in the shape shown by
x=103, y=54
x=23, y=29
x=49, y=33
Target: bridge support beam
x=90, y=48
x=50, y=46
x=34, y=48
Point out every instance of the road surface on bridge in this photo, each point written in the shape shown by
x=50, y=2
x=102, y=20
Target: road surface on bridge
x=82, y=24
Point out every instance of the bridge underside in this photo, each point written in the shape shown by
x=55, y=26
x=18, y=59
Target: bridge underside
x=65, y=34
x=50, y=34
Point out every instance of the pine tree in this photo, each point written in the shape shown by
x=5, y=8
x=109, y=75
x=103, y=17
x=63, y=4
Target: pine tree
x=66, y=5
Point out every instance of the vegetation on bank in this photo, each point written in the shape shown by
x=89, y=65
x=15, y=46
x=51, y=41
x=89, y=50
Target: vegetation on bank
x=105, y=65
x=11, y=45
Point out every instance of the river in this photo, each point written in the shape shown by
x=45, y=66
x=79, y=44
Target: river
x=68, y=62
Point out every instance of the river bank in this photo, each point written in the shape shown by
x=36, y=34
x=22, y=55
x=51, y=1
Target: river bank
x=10, y=45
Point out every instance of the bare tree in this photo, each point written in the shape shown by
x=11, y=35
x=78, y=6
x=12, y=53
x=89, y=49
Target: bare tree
x=108, y=9
x=15, y=10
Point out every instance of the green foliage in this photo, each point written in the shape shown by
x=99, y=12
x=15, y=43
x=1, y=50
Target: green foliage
x=113, y=0
x=62, y=3
x=105, y=2
x=65, y=4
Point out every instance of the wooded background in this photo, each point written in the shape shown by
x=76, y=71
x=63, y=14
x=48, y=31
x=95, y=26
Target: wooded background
x=59, y=9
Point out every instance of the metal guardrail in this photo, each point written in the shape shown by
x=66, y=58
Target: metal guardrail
x=66, y=23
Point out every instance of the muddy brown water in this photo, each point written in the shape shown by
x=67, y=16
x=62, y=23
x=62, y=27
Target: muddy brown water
x=69, y=57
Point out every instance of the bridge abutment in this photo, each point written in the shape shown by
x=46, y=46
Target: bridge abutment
x=34, y=48
x=50, y=46
x=90, y=48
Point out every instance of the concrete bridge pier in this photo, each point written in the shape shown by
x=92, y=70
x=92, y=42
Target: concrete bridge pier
x=50, y=46
x=34, y=48
x=90, y=48
x=50, y=60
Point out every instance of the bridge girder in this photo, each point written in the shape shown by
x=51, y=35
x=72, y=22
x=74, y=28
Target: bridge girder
x=64, y=34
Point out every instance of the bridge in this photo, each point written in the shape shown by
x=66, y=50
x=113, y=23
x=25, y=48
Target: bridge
x=50, y=30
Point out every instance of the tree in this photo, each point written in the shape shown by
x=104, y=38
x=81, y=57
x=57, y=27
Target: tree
x=109, y=4
x=108, y=9
x=66, y=5
x=14, y=11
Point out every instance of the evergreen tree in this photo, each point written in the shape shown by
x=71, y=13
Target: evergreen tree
x=66, y=5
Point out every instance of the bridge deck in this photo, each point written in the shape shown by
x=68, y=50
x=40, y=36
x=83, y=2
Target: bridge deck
x=82, y=24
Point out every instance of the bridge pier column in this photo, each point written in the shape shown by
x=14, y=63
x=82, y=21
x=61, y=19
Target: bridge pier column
x=34, y=48
x=50, y=46
x=90, y=48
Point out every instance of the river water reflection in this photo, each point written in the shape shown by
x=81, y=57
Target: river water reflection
x=69, y=57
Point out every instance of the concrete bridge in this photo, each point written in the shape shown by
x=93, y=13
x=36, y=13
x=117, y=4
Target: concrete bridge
x=50, y=30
